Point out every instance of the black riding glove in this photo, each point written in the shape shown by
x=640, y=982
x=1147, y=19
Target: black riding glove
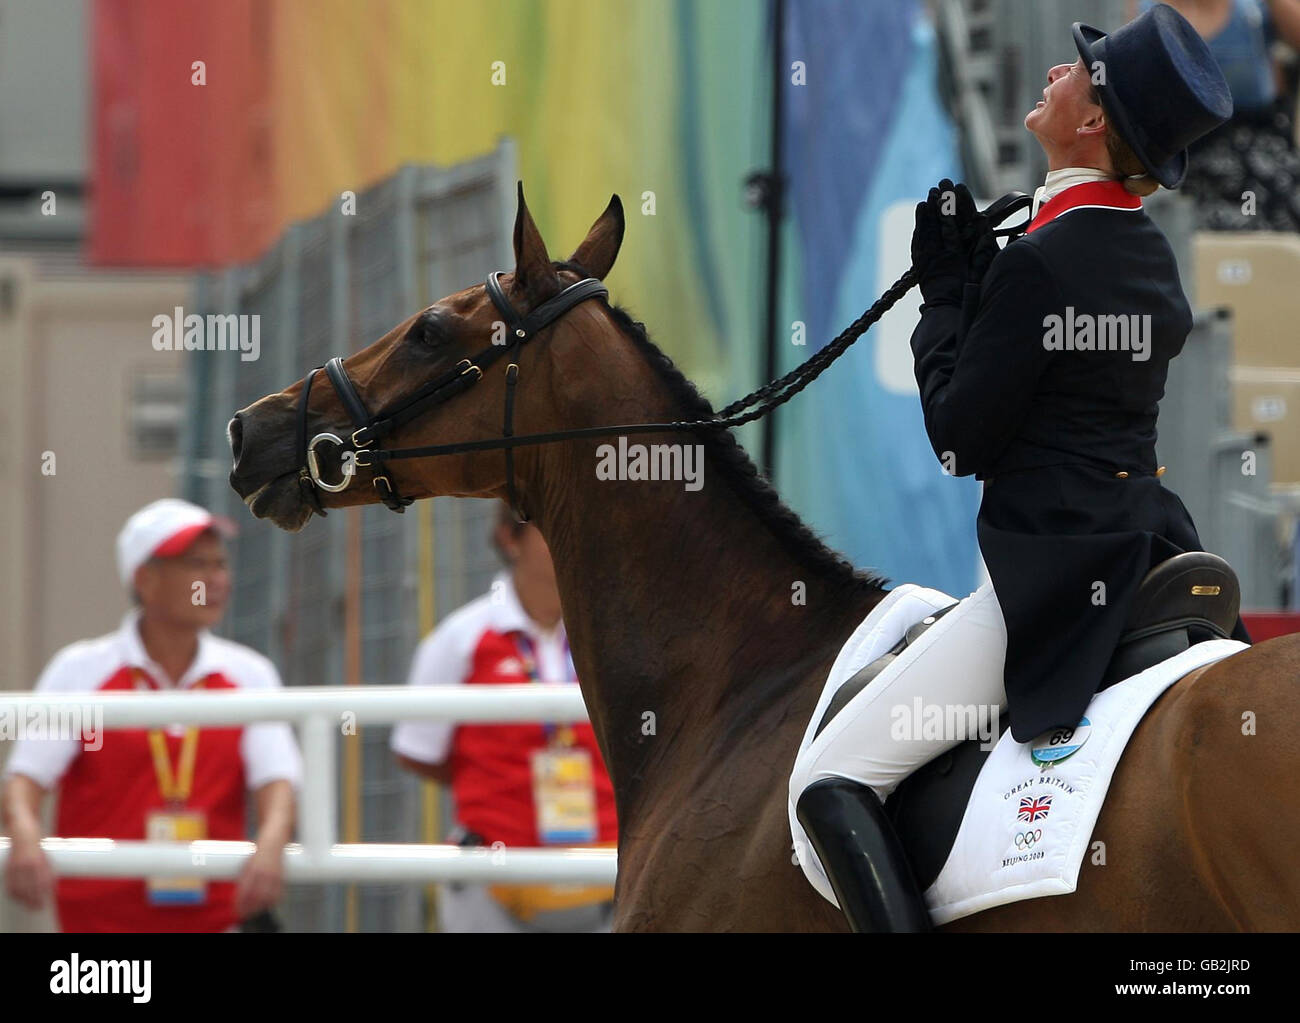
x=944, y=228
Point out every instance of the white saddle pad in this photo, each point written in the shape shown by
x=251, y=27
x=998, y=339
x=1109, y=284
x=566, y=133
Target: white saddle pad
x=1026, y=828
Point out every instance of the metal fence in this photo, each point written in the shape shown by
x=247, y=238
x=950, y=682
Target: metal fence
x=332, y=285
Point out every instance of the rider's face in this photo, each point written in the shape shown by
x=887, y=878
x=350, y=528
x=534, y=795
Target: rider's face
x=1066, y=106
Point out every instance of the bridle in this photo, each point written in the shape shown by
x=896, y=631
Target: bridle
x=522, y=329
x=464, y=375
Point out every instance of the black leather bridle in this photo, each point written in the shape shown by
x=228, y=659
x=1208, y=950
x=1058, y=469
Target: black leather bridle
x=464, y=375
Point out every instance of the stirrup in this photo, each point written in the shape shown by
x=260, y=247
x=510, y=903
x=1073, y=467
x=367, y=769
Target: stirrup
x=862, y=857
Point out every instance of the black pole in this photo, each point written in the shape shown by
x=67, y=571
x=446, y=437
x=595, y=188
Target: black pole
x=774, y=205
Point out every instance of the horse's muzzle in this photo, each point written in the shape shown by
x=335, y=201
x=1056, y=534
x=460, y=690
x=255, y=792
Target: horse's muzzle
x=264, y=473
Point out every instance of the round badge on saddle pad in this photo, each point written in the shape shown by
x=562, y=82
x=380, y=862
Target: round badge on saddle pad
x=1056, y=744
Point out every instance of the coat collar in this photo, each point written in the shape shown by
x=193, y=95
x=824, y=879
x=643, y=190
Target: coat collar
x=1057, y=181
x=1109, y=194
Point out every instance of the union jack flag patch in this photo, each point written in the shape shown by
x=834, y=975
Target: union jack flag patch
x=1033, y=808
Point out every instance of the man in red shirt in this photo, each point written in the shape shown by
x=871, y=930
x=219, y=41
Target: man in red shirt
x=517, y=785
x=163, y=784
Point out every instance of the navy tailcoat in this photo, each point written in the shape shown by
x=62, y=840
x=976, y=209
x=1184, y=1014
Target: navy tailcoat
x=1017, y=389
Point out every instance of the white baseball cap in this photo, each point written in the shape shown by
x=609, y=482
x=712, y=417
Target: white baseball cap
x=163, y=529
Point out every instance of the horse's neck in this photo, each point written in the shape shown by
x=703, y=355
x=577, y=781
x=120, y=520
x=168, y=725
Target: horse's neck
x=692, y=627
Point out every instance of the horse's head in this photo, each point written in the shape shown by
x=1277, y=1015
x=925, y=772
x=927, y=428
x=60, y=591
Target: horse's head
x=294, y=452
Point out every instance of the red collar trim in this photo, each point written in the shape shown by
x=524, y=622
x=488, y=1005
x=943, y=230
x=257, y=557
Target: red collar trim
x=1109, y=195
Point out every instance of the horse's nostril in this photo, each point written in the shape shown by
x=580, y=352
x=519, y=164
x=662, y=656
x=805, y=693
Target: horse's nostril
x=235, y=431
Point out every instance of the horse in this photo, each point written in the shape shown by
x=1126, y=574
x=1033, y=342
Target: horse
x=704, y=619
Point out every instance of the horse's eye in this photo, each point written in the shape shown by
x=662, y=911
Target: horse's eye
x=427, y=331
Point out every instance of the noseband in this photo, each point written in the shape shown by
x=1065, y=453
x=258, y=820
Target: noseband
x=464, y=375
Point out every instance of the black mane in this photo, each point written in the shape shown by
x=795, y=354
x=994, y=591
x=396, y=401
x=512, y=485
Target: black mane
x=736, y=467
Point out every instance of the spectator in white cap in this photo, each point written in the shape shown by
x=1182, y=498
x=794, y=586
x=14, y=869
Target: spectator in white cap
x=164, y=784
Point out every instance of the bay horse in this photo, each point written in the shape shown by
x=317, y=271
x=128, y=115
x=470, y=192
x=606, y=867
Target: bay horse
x=700, y=667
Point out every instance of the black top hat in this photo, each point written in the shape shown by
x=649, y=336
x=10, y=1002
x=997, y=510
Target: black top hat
x=1161, y=87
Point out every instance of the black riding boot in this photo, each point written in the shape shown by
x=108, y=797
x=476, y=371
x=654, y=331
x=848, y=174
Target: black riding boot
x=862, y=857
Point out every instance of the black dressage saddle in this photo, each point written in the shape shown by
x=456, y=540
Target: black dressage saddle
x=1190, y=598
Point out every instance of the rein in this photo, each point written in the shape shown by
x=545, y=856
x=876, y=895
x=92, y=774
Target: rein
x=468, y=372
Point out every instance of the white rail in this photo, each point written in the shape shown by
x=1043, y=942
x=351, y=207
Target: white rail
x=320, y=712
x=371, y=705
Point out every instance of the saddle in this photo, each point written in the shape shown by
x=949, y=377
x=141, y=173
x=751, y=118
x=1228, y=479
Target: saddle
x=1187, y=599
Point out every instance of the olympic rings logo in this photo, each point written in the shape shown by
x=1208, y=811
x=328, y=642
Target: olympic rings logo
x=1025, y=839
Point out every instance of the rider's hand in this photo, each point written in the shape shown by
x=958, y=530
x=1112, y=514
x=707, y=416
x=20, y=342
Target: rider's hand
x=939, y=250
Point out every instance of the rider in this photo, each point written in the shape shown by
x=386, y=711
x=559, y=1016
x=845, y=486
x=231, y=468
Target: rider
x=1029, y=381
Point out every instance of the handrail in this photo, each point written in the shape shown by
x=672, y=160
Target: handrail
x=321, y=713
x=363, y=862
x=367, y=705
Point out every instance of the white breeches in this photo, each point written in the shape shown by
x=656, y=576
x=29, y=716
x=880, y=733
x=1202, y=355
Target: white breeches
x=943, y=688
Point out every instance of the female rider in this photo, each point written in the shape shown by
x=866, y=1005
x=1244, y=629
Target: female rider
x=1040, y=367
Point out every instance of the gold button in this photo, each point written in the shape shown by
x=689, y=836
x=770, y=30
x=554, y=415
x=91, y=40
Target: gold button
x=1121, y=475
x=1160, y=472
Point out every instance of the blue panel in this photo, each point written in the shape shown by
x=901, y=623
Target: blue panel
x=837, y=123
x=854, y=458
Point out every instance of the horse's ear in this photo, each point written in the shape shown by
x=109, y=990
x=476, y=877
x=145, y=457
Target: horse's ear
x=600, y=248
x=534, y=273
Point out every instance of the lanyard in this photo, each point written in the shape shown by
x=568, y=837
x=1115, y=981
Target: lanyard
x=562, y=736
x=174, y=787
x=528, y=655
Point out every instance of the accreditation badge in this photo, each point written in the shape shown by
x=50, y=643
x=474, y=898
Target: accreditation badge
x=564, y=794
x=176, y=826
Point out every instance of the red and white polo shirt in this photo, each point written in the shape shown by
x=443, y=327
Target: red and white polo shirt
x=488, y=642
x=109, y=792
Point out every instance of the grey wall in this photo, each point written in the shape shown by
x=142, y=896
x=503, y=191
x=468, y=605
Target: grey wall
x=44, y=120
